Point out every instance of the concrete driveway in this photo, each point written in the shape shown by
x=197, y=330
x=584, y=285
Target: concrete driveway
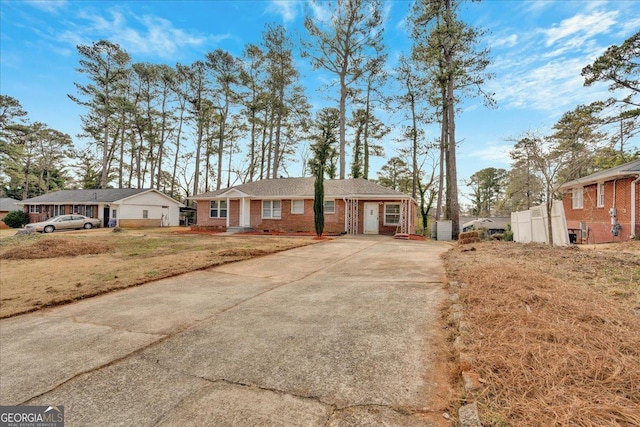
x=338, y=333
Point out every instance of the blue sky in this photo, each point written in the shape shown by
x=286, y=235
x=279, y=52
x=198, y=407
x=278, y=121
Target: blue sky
x=538, y=50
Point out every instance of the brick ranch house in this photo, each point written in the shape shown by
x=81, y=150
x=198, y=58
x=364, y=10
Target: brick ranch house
x=604, y=206
x=124, y=207
x=354, y=206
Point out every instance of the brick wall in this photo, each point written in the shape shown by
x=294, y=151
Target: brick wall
x=598, y=219
x=203, y=212
x=290, y=222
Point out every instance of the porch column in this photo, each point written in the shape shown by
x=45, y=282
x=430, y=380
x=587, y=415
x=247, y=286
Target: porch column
x=228, y=211
x=245, y=212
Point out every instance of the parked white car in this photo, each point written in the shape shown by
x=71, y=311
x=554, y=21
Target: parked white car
x=64, y=222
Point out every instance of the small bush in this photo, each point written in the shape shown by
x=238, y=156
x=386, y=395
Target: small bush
x=508, y=234
x=16, y=219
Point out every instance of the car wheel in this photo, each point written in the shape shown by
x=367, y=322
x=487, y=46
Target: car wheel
x=49, y=229
x=88, y=226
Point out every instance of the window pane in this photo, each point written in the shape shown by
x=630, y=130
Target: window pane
x=213, y=209
x=577, y=198
x=297, y=206
x=392, y=213
x=329, y=206
x=266, y=208
x=276, y=209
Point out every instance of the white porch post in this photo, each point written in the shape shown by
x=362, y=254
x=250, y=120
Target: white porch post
x=228, y=211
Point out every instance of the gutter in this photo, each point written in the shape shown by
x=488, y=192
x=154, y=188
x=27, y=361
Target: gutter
x=634, y=208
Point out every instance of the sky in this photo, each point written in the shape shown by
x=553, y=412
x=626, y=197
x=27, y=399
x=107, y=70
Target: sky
x=538, y=49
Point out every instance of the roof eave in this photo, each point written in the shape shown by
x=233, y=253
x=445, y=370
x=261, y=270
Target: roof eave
x=581, y=182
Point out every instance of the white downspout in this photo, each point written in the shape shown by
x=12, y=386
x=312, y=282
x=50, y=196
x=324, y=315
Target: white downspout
x=228, y=211
x=346, y=215
x=634, y=208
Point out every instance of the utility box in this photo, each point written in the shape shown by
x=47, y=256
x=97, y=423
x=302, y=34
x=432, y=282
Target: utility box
x=444, y=230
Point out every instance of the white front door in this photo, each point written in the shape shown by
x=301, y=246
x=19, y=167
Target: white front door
x=371, y=218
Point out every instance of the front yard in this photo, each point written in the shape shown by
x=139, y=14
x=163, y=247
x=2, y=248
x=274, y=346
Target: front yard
x=42, y=270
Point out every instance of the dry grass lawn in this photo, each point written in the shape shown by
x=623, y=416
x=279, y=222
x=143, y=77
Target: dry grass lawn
x=554, y=333
x=43, y=270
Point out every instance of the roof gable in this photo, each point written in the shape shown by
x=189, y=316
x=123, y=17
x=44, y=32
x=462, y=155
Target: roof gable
x=303, y=188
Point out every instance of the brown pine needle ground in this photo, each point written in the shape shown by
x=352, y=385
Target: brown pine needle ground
x=553, y=332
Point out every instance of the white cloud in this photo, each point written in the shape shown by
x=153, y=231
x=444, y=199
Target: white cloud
x=537, y=6
x=147, y=34
x=581, y=27
x=52, y=6
x=494, y=152
x=285, y=8
x=319, y=12
x=508, y=41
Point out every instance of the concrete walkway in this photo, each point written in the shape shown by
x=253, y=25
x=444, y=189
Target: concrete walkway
x=335, y=334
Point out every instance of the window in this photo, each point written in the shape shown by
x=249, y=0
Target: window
x=271, y=209
x=218, y=209
x=89, y=211
x=297, y=206
x=145, y=214
x=600, y=195
x=392, y=214
x=114, y=213
x=576, y=198
x=58, y=210
x=34, y=208
x=329, y=206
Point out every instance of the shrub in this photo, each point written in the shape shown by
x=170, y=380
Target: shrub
x=508, y=234
x=16, y=219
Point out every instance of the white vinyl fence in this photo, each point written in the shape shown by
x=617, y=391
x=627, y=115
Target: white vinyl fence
x=531, y=225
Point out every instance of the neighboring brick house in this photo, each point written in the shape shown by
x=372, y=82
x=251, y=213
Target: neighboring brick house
x=124, y=207
x=591, y=202
x=354, y=206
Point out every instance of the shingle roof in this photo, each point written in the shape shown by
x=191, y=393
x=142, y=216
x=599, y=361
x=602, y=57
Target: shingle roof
x=627, y=169
x=303, y=188
x=109, y=195
x=7, y=205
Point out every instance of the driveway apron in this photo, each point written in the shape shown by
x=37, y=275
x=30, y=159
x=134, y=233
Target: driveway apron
x=338, y=333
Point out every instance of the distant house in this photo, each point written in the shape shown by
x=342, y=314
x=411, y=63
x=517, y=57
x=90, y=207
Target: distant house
x=354, y=206
x=494, y=225
x=604, y=206
x=7, y=205
x=124, y=207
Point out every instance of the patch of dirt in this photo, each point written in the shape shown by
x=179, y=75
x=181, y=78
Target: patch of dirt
x=243, y=252
x=55, y=248
x=553, y=333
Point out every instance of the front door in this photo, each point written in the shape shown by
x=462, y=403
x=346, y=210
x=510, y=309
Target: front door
x=371, y=218
x=105, y=216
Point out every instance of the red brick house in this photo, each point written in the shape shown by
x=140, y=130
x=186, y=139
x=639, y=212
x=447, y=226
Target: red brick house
x=604, y=206
x=354, y=206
